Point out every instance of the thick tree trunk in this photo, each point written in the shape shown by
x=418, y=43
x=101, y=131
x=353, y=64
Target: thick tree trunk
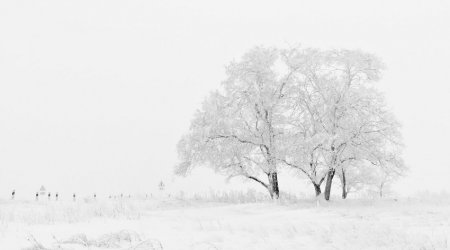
x=273, y=185
x=344, y=185
x=329, y=181
x=317, y=189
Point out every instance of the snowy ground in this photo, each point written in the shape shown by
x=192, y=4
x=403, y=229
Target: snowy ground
x=176, y=224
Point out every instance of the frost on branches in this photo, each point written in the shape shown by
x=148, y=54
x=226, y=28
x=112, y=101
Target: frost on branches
x=305, y=109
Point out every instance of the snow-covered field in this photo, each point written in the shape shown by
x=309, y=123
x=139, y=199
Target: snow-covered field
x=181, y=224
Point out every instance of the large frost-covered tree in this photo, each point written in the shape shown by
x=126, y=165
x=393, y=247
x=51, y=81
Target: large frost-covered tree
x=239, y=129
x=338, y=118
x=315, y=111
x=304, y=136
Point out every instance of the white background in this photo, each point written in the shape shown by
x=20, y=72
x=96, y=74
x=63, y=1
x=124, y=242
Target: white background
x=94, y=95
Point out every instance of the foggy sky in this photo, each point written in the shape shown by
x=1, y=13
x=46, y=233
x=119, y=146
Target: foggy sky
x=94, y=95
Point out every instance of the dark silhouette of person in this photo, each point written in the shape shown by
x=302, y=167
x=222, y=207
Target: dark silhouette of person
x=95, y=196
x=49, y=196
x=74, y=196
x=13, y=194
x=37, y=195
x=56, y=196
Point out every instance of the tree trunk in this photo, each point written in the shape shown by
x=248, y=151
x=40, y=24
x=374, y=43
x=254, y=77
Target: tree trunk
x=330, y=176
x=381, y=190
x=344, y=185
x=317, y=189
x=273, y=185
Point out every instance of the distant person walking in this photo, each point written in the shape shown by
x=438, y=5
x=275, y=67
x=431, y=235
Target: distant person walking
x=37, y=196
x=56, y=196
x=95, y=196
x=161, y=186
x=74, y=197
x=13, y=194
x=49, y=196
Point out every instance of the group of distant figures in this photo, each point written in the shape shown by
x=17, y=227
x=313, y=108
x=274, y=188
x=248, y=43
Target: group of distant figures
x=74, y=197
x=49, y=195
x=116, y=196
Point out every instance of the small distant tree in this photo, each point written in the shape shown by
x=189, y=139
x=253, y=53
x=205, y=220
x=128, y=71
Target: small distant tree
x=389, y=168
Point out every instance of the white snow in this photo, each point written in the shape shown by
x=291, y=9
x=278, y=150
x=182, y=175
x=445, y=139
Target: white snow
x=189, y=224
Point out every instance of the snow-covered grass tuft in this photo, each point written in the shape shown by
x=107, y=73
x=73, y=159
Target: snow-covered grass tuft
x=35, y=245
x=241, y=197
x=123, y=238
x=233, y=196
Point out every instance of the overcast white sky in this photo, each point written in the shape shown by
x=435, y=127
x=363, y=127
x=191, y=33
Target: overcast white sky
x=94, y=95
